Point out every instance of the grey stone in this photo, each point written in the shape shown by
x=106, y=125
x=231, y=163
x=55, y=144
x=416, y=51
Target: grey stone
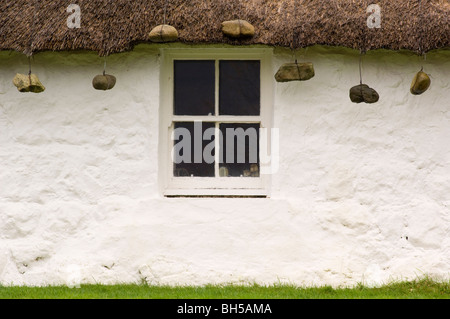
x=295, y=72
x=420, y=83
x=363, y=93
x=238, y=29
x=104, y=82
x=28, y=83
x=163, y=33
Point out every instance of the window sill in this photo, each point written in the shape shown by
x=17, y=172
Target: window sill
x=257, y=193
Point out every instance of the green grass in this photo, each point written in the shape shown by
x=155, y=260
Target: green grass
x=417, y=289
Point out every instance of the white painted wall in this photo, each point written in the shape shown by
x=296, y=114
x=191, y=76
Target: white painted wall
x=362, y=194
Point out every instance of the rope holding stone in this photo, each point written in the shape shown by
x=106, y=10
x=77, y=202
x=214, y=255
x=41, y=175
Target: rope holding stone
x=29, y=69
x=29, y=82
x=163, y=32
x=164, y=21
x=104, y=81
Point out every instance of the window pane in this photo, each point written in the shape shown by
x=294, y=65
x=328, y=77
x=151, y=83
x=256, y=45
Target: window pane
x=239, y=88
x=194, y=87
x=194, y=151
x=239, y=150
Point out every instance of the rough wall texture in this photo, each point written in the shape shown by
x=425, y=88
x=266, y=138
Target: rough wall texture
x=362, y=193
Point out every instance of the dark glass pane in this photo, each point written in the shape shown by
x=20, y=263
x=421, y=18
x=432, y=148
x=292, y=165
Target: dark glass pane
x=194, y=150
x=239, y=88
x=194, y=87
x=239, y=150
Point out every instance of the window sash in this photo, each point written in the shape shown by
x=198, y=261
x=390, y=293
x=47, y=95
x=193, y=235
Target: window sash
x=217, y=149
x=226, y=186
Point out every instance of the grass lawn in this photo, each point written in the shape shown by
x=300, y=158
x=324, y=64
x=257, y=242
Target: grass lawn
x=417, y=289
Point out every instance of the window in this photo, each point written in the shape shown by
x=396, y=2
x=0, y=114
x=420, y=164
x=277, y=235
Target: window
x=214, y=104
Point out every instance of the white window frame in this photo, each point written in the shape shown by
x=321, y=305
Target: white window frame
x=211, y=186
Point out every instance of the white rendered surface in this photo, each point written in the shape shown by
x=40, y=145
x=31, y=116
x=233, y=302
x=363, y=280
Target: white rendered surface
x=362, y=193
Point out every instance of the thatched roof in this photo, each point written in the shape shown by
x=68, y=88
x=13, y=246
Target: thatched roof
x=111, y=26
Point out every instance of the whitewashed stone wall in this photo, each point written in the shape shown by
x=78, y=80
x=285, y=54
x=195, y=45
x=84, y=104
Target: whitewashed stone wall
x=362, y=194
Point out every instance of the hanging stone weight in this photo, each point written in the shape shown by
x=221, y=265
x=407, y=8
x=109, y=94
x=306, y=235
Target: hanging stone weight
x=295, y=72
x=104, y=82
x=163, y=33
x=28, y=83
x=420, y=83
x=238, y=29
x=363, y=93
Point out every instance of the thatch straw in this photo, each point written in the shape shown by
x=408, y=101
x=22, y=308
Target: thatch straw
x=110, y=26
